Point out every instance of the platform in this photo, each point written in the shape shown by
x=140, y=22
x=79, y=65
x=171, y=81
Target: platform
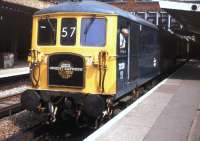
x=20, y=68
x=168, y=112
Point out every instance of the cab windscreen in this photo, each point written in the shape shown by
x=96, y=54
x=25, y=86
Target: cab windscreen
x=93, y=32
x=47, y=29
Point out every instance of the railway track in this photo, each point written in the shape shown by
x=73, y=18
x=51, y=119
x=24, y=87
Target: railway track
x=59, y=131
x=10, y=105
x=10, y=110
x=10, y=98
x=13, y=82
x=10, y=92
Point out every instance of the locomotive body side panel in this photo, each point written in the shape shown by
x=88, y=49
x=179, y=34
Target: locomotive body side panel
x=148, y=54
x=127, y=60
x=138, y=53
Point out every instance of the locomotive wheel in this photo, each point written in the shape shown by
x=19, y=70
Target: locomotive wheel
x=94, y=105
x=31, y=100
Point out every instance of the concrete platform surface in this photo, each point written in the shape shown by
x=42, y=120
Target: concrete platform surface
x=168, y=112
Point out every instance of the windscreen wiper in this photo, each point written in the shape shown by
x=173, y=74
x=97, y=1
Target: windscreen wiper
x=89, y=25
x=51, y=25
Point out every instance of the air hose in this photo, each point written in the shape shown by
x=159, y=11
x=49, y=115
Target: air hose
x=35, y=64
x=102, y=69
x=33, y=70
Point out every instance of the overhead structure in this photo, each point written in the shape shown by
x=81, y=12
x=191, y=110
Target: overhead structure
x=15, y=27
x=186, y=12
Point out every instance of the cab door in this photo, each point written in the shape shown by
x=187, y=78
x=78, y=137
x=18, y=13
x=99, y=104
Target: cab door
x=127, y=55
x=123, y=53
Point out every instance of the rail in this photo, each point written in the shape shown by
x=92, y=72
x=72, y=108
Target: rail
x=10, y=105
x=10, y=110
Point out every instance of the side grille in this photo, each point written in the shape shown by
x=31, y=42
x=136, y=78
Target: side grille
x=66, y=70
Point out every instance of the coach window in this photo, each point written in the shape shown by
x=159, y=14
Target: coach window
x=93, y=32
x=68, y=31
x=47, y=29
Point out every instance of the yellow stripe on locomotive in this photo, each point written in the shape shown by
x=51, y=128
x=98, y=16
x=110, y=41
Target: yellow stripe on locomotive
x=99, y=66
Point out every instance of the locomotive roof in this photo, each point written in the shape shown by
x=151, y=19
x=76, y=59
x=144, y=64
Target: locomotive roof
x=92, y=7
